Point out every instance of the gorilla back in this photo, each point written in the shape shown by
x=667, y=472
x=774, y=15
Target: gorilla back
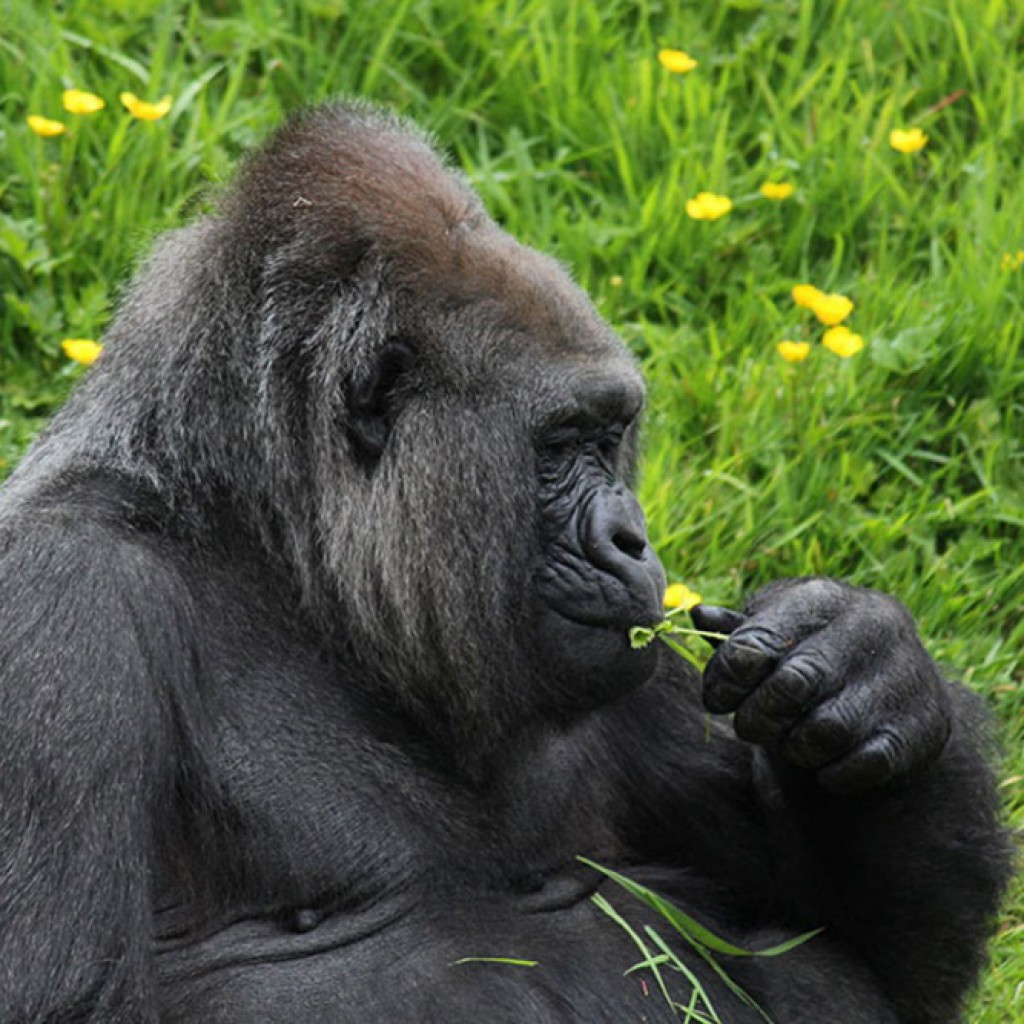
x=314, y=603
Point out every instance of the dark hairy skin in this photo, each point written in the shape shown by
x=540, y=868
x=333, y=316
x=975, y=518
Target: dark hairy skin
x=315, y=675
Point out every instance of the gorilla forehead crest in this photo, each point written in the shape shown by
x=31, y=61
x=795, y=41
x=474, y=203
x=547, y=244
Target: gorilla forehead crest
x=346, y=183
x=362, y=171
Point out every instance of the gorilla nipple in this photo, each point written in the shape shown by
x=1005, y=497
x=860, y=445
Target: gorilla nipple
x=306, y=920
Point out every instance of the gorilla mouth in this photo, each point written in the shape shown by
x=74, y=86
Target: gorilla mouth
x=604, y=600
x=614, y=608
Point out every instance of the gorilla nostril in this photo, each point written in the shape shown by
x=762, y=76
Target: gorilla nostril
x=630, y=544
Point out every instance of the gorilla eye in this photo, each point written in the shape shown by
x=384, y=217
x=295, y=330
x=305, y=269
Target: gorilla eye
x=373, y=399
x=561, y=442
x=610, y=443
x=567, y=441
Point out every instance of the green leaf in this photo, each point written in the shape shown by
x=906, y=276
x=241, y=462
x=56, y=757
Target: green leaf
x=689, y=926
x=509, y=960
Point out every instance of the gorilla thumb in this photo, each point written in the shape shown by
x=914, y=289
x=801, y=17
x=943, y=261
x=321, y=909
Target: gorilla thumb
x=710, y=618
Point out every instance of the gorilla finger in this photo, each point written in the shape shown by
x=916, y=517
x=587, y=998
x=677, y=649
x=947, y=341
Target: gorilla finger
x=875, y=762
x=740, y=665
x=834, y=728
x=803, y=681
x=823, y=737
x=710, y=618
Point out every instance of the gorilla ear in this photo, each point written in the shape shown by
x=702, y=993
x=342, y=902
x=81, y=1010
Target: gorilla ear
x=373, y=399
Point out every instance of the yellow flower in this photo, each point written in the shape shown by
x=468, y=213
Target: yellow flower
x=831, y=309
x=777, y=190
x=679, y=595
x=793, y=351
x=615, y=280
x=78, y=102
x=45, y=127
x=806, y=295
x=907, y=140
x=1011, y=260
x=146, y=111
x=81, y=350
x=842, y=341
x=677, y=61
x=708, y=206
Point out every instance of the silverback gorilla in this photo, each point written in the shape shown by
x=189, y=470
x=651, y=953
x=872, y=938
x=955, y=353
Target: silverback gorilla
x=315, y=673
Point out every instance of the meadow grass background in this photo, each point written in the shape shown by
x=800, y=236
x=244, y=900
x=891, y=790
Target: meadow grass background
x=900, y=468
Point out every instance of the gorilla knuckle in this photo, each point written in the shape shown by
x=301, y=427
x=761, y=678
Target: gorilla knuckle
x=754, y=644
x=876, y=762
x=818, y=740
x=780, y=701
x=737, y=667
x=806, y=672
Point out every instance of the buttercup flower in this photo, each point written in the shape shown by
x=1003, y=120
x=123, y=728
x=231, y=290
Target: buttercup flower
x=831, y=309
x=146, y=111
x=81, y=350
x=806, y=295
x=907, y=140
x=842, y=341
x=78, y=102
x=677, y=61
x=708, y=206
x=45, y=127
x=777, y=190
x=679, y=595
x=1012, y=260
x=793, y=351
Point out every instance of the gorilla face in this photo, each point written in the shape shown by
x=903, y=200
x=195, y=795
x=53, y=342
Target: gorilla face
x=598, y=569
x=597, y=575
x=523, y=409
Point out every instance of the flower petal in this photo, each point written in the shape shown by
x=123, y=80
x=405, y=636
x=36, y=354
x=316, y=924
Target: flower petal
x=777, y=190
x=708, y=206
x=907, y=140
x=679, y=595
x=677, y=61
x=842, y=341
x=793, y=351
x=831, y=309
x=81, y=350
x=806, y=295
x=146, y=111
x=45, y=127
x=76, y=101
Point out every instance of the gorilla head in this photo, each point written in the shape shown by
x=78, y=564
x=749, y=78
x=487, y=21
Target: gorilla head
x=425, y=421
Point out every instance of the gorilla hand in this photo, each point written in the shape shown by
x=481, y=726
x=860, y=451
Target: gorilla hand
x=830, y=677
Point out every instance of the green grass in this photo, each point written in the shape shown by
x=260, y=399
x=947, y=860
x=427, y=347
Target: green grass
x=901, y=468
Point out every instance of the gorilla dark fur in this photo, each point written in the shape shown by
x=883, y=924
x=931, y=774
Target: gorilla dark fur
x=315, y=675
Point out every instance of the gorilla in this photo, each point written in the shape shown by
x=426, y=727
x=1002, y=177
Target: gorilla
x=316, y=679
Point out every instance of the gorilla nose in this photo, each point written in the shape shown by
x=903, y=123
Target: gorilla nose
x=615, y=540
x=616, y=532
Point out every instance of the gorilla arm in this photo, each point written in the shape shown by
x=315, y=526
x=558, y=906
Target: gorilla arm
x=851, y=791
x=84, y=640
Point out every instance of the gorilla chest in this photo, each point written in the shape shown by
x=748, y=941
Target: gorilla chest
x=305, y=804
x=450, y=960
